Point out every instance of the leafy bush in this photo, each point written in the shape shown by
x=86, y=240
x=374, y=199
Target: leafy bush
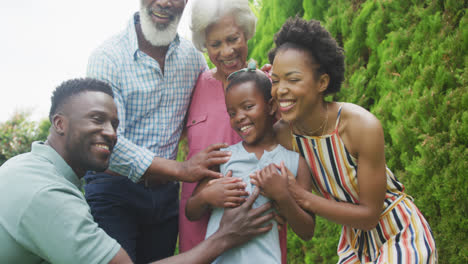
x=17, y=134
x=407, y=63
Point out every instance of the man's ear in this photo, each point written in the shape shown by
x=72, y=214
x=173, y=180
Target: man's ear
x=323, y=82
x=273, y=106
x=59, y=123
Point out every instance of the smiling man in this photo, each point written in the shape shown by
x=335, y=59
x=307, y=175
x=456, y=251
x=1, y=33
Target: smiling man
x=152, y=72
x=44, y=217
x=43, y=214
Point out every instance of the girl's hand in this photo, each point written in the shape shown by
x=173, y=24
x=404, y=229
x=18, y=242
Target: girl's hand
x=271, y=181
x=226, y=192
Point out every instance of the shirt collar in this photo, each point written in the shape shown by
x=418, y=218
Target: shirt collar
x=133, y=38
x=41, y=149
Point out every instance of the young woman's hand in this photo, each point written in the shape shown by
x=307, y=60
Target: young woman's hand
x=294, y=188
x=271, y=181
x=226, y=192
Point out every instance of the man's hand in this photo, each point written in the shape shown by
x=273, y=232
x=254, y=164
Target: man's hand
x=204, y=163
x=243, y=223
x=226, y=192
x=280, y=220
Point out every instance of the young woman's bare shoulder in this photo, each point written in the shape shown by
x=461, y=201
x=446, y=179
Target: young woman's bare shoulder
x=358, y=124
x=358, y=117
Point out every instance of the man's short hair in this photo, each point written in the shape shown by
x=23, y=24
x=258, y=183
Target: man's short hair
x=65, y=91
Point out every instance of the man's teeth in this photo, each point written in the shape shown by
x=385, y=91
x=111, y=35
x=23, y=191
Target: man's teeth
x=286, y=104
x=102, y=146
x=160, y=15
x=229, y=62
x=245, y=128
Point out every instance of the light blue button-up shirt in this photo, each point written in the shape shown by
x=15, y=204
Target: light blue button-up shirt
x=151, y=105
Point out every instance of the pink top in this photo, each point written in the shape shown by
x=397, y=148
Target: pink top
x=208, y=120
x=207, y=123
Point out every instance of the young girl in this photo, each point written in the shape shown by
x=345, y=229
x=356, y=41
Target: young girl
x=251, y=111
x=344, y=148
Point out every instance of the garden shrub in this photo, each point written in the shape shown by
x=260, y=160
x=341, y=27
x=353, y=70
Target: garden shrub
x=407, y=63
x=18, y=133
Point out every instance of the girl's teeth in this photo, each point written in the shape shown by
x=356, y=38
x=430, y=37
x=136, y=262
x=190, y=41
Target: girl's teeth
x=245, y=128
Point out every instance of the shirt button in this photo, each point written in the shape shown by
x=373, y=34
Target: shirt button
x=193, y=121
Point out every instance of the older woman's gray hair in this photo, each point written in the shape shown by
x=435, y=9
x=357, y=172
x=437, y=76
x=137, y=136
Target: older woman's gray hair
x=208, y=12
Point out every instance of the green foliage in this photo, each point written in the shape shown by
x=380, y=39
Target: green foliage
x=208, y=61
x=17, y=134
x=271, y=16
x=320, y=249
x=407, y=62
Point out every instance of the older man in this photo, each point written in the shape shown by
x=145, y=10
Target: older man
x=44, y=217
x=152, y=72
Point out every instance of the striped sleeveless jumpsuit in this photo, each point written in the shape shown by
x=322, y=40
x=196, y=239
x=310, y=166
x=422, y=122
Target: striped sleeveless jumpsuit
x=402, y=234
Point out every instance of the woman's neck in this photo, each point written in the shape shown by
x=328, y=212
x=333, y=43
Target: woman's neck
x=315, y=124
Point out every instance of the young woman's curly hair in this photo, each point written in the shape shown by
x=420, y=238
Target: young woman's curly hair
x=310, y=36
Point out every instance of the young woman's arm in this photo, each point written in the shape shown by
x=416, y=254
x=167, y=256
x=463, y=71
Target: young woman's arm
x=226, y=192
x=363, y=136
x=274, y=185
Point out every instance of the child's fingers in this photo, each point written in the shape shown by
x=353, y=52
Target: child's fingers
x=236, y=186
x=229, y=174
x=223, y=180
x=254, y=182
x=283, y=168
x=236, y=193
x=260, y=177
x=231, y=205
x=235, y=200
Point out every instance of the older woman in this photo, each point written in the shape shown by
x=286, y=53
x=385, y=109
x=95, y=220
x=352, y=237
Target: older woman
x=222, y=28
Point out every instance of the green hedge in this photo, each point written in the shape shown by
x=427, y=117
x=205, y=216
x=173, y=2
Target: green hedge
x=18, y=133
x=406, y=62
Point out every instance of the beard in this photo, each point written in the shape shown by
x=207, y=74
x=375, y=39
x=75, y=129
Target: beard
x=156, y=34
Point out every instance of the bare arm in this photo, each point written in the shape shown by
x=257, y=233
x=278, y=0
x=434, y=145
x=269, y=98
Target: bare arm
x=198, y=167
x=274, y=185
x=237, y=226
x=226, y=192
x=366, y=136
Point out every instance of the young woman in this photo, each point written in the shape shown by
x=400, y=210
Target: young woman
x=343, y=145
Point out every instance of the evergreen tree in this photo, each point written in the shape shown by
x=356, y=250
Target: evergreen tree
x=407, y=63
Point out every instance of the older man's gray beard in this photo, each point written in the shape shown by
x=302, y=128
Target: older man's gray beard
x=154, y=35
